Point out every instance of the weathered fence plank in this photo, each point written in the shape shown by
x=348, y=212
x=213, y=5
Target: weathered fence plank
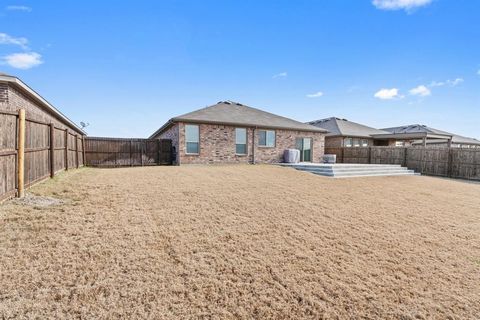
x=445, y=162
x=41, y=156
x=121, y=152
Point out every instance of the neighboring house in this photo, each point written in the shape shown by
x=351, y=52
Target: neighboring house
x=344, y=133
x=229, y=132
x=15, y=95
x=43, y=124
x=417, y=134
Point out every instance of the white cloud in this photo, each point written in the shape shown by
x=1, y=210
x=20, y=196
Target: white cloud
x=6, y=39
x=280, y=75
x=421, y=91
x=437, y=84
x=19, y=8
x=455, y=82
x=315, y=95
x=23, y=60
x=451, y=83
x=388, y=94
x=407, y=5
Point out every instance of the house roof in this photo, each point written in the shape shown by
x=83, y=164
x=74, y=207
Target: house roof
x=37, y=97
x=343, y=127
x=234, y=113
x=428, y=131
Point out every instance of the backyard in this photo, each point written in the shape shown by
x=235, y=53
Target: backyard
x=221, y=242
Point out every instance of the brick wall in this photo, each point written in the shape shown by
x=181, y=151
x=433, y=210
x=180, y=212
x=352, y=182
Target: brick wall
x=333, y=142
x=217, y=145
x=16, y=100
x=3, y=94
x=286, y=139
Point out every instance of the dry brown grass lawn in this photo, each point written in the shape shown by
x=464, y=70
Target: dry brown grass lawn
x=241, y=242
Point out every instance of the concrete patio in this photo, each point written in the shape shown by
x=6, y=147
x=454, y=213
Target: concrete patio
x=350, y=170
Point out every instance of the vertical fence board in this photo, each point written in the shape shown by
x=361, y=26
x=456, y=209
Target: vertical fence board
x=44, y=152
x=445, y=162
x=120, y=152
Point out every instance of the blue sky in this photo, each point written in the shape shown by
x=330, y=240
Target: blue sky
x=126, y=67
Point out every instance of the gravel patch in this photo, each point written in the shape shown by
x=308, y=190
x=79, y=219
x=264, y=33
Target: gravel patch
x=37, y=201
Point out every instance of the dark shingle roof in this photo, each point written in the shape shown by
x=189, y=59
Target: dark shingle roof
x=420, y=128
x=233, y=113
x=343, y=127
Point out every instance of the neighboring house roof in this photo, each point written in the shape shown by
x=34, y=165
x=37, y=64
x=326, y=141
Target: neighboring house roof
x=343, y=127
x=234, y=113
x=429, y=131
x=37, y=97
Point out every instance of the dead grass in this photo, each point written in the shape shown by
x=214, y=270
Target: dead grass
x=241, y=242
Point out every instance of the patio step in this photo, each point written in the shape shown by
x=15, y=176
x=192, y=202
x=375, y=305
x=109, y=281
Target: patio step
x=352, y=170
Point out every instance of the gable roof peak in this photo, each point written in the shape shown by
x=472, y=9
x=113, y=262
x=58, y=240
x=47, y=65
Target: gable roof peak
x=236, y=114
x=343, y=127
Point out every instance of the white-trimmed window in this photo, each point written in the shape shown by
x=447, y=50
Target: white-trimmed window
x=399, y=143
x=192, y=138
x=240, y=141
x=266, y=138
x=356, y=142
x=364, y=143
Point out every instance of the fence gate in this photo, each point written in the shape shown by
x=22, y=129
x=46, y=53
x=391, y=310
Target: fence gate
x=166, y=152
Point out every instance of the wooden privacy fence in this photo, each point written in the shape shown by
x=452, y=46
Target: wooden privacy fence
x=445, y=162
x=32, y=150
x=120, y=152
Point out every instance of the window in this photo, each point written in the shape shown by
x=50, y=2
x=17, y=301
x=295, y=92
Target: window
x=348, y=142
x=192, y=138
x=266, y=138
x=399, y=143
x=356, y=142
x=240, y=141
x=364, y=143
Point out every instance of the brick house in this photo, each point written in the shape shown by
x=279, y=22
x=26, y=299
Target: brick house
x=419, y=134
x=230, y=132
x=43, y=125
x=15, y=95
x=344, y=133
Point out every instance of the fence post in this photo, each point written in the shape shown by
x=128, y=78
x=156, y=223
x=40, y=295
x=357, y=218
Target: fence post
x=370, y=155
x=141, y=152
x=131, y=159
x=66, y=149
x=159, y=151
x=343, y=154
x=52, y=150
x=405, y=156
x=84, y=158
x=21, y=154
x=76, y=150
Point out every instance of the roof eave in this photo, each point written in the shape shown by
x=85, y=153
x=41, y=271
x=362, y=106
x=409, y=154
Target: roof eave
x=250, y=125
x=162, y=128
x=418, y=135
x=19, y=83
